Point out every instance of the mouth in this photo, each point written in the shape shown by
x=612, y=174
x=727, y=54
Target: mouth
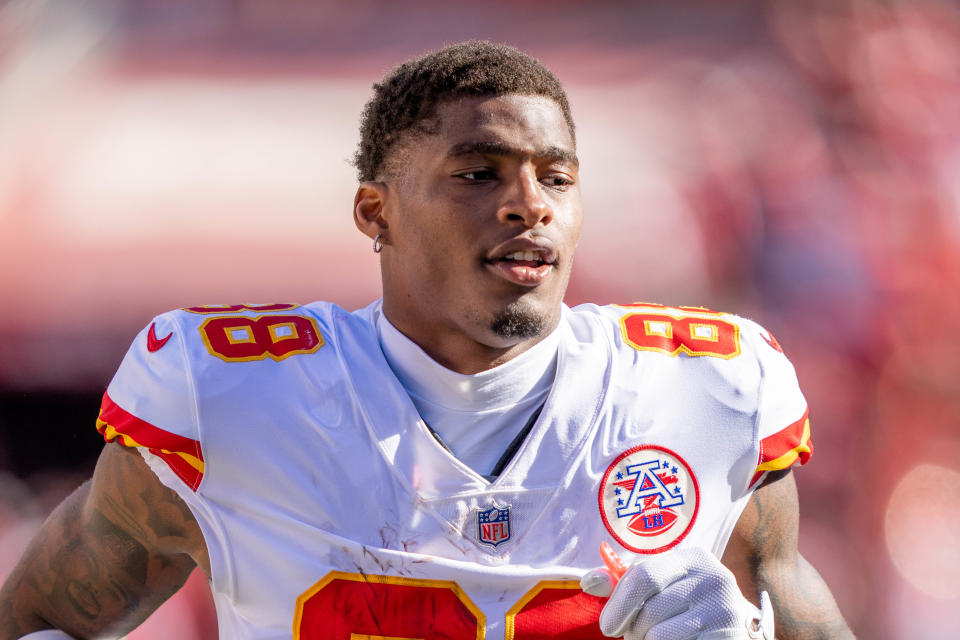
x=523, y=262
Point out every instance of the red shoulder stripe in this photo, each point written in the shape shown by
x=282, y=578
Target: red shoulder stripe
x=784, y=448
x=181, y=454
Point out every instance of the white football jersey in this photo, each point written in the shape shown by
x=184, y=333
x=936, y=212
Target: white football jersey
x=330, y=511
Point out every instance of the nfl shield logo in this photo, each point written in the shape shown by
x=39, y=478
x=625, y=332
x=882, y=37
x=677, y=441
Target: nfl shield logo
x=493, y=525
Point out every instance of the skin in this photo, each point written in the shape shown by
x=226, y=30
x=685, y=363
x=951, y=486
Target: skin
x=498, y=171
x=763, y=554
x=107, y=557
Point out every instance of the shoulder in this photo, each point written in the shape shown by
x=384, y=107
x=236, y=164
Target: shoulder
x=181, y=344
x=183, y=353
x=249, y=333
x=200, y=361
x=723, y=357
x=729, y=357
x=683, y=332
x=254, y=332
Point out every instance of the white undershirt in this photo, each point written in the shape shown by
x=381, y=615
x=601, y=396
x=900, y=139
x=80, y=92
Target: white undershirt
x=476, y=416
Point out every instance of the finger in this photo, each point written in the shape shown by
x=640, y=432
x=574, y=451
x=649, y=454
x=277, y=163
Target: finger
x=667, y=615
x=597, y=582
x=679, y=627
x=641, y=581
x=688, y=629
x=702, y=605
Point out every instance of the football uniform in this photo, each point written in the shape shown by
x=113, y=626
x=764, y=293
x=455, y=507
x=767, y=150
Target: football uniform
x=329, y=510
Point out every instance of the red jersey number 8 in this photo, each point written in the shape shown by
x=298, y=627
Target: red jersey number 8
x=692, y=335
x=350, y=606
x=241, y=338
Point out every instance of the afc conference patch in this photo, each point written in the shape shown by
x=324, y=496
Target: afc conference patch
x=493, y=525
x=649, y=499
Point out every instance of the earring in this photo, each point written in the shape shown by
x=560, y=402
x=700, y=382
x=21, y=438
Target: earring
x=377, y=244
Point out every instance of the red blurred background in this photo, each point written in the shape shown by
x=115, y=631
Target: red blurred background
x=797, y=163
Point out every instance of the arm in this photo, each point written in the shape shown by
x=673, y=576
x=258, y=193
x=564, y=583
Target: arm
x=687, y=592
x=763, y=555
x=107, y=557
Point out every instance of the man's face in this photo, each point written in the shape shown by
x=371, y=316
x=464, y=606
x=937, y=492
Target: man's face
x=482, y=221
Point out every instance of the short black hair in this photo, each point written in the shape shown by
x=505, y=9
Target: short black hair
x=411, y=93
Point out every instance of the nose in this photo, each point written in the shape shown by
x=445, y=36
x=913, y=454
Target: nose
x=524, y=200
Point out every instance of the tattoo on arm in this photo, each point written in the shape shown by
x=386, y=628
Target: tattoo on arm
x=763, y=554
x=106, y=558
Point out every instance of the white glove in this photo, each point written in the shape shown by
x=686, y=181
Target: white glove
x=682, y=594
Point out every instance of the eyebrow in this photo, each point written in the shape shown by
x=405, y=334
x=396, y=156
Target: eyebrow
x=552, y=153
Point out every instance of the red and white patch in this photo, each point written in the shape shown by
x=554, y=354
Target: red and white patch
x=649, y=499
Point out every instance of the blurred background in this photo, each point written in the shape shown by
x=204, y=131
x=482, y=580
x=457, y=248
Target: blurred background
x=794, y=162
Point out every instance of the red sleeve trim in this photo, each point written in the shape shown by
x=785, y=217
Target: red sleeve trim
x=785, y=448
x=182, y=455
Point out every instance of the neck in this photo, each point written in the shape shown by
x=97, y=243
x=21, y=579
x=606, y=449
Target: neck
x=499, y=388
x=456, y=349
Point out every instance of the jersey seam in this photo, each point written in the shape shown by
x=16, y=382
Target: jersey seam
x=399, y=478
x=761, y=390
x=738, y=506
x=420, y=424
x=225, y=552
x=194, y=402
x=367, y=422
x=570, y=470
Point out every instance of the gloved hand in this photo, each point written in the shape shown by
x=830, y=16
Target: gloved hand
x=681, y=594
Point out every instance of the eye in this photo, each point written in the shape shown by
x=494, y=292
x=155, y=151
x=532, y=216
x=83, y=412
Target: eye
x=477, y=175
x=557, y=181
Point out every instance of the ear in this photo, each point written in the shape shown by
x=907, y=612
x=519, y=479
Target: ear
x=369, y=206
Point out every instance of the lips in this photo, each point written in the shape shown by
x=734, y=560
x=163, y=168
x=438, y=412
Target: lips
x=523, y=261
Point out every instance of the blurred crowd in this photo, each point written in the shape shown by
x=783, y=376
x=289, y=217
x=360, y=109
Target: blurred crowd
x=844, y=183
x=799, y=165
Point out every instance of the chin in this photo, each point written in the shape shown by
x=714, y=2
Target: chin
x=522, y=321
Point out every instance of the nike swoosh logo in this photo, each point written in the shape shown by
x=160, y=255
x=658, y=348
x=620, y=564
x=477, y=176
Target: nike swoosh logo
x=154, y=344
x=771, y=341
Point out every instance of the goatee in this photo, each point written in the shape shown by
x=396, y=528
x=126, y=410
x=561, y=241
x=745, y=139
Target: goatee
x=515, y=322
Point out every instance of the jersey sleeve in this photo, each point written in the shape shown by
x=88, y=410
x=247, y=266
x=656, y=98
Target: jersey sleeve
x=783, y=424
x=150, y=401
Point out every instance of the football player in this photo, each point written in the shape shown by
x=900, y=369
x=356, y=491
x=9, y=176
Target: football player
x=449, y=461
